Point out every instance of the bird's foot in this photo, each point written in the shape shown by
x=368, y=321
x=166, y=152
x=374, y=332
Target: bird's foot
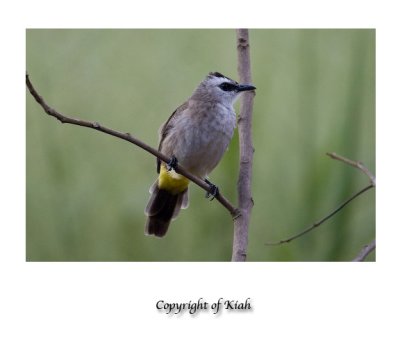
x=213, y=191
x=173, y=162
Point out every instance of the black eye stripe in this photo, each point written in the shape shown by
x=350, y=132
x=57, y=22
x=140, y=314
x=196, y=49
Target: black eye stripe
x=227, y=87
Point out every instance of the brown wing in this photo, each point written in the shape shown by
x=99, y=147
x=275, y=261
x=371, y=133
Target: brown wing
x=166, y=127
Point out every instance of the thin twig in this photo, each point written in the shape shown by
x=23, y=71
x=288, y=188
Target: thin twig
x=245, y=201
x=325, y=218
x=128, y=137
x=354, y=164
x=365, y=251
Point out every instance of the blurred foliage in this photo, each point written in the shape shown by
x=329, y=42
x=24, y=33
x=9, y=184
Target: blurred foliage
x=86, y=191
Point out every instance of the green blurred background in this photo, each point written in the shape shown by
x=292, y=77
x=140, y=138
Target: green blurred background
x=86, y=191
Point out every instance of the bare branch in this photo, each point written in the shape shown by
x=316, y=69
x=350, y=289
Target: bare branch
x=354, y=164
x=325, y=218
x=365, y=251
x=128, y=137
x=245, y=201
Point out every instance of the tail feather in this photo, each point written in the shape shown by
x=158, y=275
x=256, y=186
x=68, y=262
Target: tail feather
x=157, y=202
x=163, y=206
x=185, y=199
x=181, y=203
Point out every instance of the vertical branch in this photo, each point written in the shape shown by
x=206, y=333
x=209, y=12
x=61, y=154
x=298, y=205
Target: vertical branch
x=241, y=223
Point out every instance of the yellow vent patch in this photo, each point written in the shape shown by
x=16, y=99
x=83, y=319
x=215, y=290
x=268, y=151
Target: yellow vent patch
x=171, y=181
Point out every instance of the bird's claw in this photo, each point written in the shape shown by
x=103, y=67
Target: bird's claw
x=213, y=191
x=173, y=162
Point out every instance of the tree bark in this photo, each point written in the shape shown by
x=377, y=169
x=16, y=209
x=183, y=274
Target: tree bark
x=245, y=200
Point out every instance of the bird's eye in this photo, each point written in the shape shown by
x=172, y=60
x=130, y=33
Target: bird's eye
x=227, y=87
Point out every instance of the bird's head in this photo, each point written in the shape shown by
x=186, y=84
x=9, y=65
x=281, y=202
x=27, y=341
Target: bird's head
x=216, y=87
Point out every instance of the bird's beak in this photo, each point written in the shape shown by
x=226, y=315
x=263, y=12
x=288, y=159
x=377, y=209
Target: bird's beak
x=245, y=87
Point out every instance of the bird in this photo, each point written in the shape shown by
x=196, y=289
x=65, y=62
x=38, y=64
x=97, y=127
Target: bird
x=196, y=136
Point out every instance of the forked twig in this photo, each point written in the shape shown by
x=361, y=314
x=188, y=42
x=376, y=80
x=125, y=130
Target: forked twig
x=357, y=165
x=354, y=164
